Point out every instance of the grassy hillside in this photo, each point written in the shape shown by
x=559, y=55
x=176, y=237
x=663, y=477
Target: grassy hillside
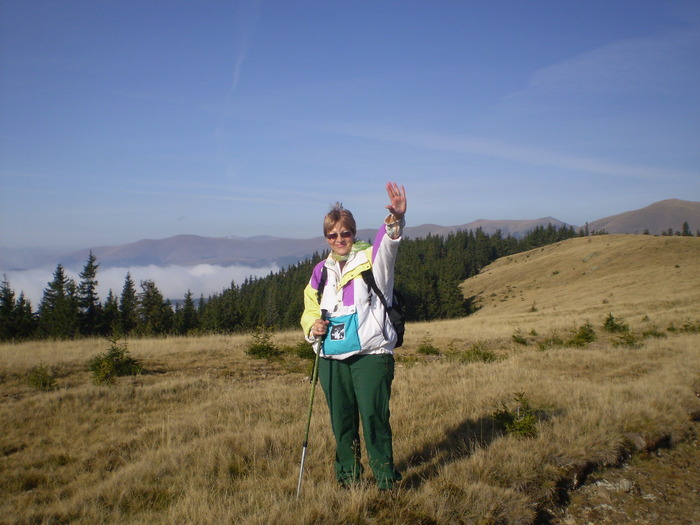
x=591, y=276
x=496, y=416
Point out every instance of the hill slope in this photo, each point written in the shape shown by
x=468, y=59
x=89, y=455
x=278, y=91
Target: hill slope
x=625, y=274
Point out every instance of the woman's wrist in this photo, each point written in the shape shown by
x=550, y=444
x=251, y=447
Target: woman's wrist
x=394, y=225
x=393, y=218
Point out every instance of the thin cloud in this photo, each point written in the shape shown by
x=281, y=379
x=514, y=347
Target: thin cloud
x=512, y=152
x=625, y=65
x=246, y=21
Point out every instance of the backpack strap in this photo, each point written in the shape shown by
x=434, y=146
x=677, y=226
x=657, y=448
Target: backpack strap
x=368, y=276
x=322, y=283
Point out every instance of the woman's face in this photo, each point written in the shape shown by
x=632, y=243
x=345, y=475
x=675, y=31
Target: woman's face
x=340, y=239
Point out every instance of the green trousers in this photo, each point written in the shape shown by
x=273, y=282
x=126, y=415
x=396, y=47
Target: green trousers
x=359, y=388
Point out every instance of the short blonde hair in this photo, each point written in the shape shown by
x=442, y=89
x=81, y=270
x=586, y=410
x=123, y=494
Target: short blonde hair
x=339, y=215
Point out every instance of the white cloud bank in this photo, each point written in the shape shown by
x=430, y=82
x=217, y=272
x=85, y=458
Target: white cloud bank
x=172, y=281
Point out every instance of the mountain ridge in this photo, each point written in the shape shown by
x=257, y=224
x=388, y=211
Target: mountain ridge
x=655, y=219
x=261, y=250
x=265, y=250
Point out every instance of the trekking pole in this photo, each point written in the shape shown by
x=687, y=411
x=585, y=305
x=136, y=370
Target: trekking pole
x=314, y=378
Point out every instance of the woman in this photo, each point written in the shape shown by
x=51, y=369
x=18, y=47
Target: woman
x=357, y=363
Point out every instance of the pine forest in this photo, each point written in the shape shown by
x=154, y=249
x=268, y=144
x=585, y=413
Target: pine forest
x=428, y=274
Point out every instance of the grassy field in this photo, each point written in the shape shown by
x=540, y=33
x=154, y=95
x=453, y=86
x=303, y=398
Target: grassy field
x=520, y=403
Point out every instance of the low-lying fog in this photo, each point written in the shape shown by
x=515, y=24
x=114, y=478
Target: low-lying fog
x=172, y=281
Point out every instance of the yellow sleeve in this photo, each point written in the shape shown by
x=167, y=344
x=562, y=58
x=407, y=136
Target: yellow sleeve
x=312, y=310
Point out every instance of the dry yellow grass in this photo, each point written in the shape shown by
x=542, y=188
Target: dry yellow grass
x=211, y=435
x=625, y=274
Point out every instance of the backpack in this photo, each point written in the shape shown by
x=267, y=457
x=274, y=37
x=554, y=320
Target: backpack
x=397, y=315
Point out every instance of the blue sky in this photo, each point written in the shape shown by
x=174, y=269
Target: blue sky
x=128, y=120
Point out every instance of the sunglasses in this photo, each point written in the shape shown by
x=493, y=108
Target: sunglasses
x=333, y=236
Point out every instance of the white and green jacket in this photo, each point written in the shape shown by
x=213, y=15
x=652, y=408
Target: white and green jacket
x=358, y=321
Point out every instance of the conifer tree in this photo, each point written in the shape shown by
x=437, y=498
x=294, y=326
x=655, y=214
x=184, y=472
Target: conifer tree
x=210, y=314
x=58, y=310
x=88, y=301
x=24, y=319
x=155, y=315
x=187, y=316
x=128, y=303
x=17, y=322
x=110, y=324
x=7, y=311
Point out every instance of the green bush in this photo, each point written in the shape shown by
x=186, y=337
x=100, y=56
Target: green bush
x=584, y=335
x=627, y=339
x=41, y=378
x=520, y=420
x=553, y=341
x=427, y=347
x=478, y=352
x=116, y=362
x=305, y=350
x=262, y=346
x=653, y=332
x=688, y=327
x=518, y=338
x=613, y=325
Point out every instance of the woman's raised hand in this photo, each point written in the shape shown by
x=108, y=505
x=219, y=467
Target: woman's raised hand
x=397, y=196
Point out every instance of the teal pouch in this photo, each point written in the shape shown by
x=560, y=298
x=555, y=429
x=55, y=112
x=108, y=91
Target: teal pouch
x=342, y=335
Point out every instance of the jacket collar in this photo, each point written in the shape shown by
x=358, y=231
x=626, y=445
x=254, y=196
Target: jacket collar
x=358, y=262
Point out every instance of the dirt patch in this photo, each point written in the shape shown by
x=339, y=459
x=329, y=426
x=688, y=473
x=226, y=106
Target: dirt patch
x=657, y=487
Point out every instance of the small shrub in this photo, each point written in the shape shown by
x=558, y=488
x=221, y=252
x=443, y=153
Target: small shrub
x=613, y=325
x=478, y=352
x=41, y=378
x=518, y=338
x=653, y=332
x=691, y=327
x=304, y=350
x=688, y=327
x=116, y=362
x=408, y=361
x=520, y=421
x=427, y=347
x=553, y=341
x=627, y=339
x=584, y=335
x=262, y=346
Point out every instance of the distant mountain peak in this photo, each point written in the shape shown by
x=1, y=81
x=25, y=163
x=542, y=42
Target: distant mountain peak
x=657, y=218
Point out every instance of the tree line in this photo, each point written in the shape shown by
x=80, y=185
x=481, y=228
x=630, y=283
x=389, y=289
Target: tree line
x=428, y=274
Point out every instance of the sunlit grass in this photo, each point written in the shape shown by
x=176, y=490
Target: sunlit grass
x=209, y=434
